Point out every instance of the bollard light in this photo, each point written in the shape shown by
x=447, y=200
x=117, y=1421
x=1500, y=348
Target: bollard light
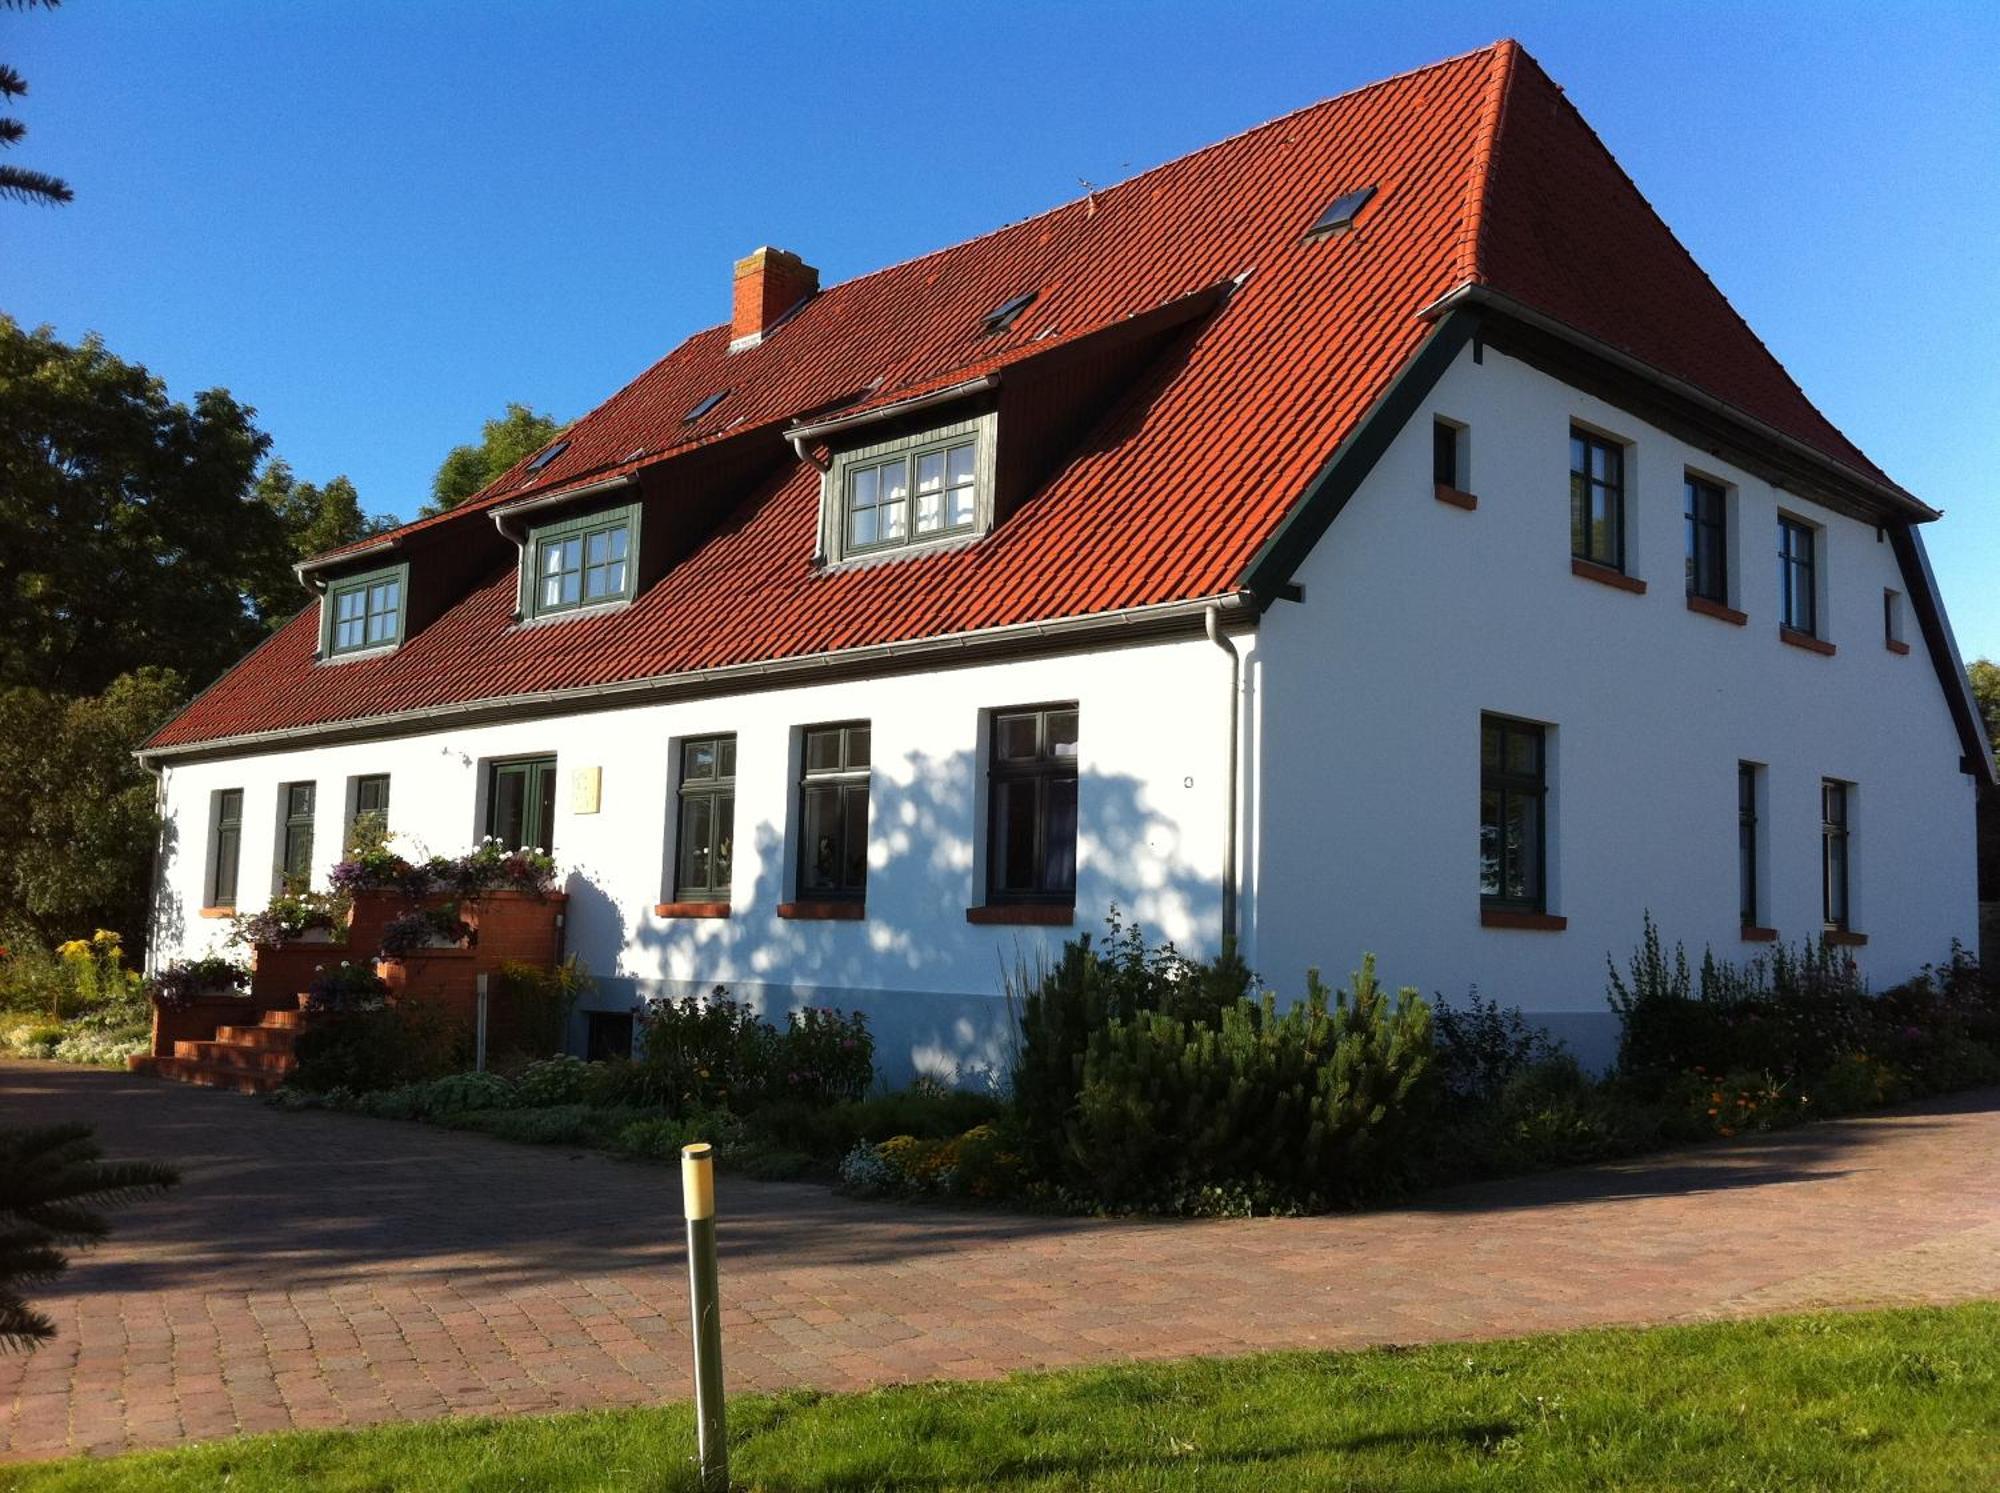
x=705, y=1301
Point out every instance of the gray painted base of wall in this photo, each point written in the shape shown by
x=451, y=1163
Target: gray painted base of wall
x=967, y=1040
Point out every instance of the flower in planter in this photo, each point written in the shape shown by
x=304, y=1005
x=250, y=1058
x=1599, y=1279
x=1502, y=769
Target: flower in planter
x=185, y=981
x=428, y=927
x=351, y=987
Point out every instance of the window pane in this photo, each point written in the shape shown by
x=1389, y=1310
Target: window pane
x=1444, y=455
x=725, y=757
x=958, y=513
x=858, y=744
x=1491, y=745
x=621, y=541
x=1014, y=738
x=1059, y=837
x=1014, y=828
x=551, y=558
x=821, y=823
x=1489, y=842
x=697, y=760
x=930, y=471
x=697, y=833
x=959, y=462
x=930, y=512
x=865, y=484
x=725, y=836
x=1062, y=734
x=506, y=818
x=597, y=549
x=862, y=528
x=823, y=751
x=541, y=828
x=892, y=520
x=1524, y=751
x=1521, y=829
x=571, y=587
x=1579, y=516
x=895, y=480
x=854, y=809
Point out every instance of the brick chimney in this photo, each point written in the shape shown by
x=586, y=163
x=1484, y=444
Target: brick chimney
x=769, y=283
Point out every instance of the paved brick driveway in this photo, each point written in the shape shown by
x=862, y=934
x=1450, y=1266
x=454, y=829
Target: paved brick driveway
x=318, y=1270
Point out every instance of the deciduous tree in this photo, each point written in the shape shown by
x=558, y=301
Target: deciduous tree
x=520, y=432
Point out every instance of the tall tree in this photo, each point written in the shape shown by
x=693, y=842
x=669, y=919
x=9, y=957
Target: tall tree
x=1985, y=676
x=129, y=531
x=518, y=433
x=18, y=182
x=313, y=520
x=79, y=813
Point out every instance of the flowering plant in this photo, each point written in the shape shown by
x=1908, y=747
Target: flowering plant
x=489, y=867
x=345, y=987
x=289, y=915
x=184, y=981
x=427, y=927
x=828, y=1056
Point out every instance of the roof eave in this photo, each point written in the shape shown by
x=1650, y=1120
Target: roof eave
x=1473, y=293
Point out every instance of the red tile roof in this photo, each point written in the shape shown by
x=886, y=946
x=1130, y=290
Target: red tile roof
x=1486, y=175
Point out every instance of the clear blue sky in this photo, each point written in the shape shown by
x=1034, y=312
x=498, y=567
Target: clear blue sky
x=379, y=222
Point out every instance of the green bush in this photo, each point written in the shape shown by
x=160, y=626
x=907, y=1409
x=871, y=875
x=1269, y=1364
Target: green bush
x=560, y=1125
x=714, y=1053
x=531, y=1006
x=1323, y=1102
x=382, y=1047
x=563, y=1079
x=929, y=1112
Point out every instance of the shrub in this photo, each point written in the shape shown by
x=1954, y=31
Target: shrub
x=834, y=1130
x=704, y=1054
x=1320, y=1103
x=345, y=987
x=1482, y=1045
x=531, y=1005
x=1734, y=1103
x=864, y=1172
x=184, y=981
x=560, y=1125
x=661, y=1138
x=562, y=1079
x=96, y=972
x=379, y=1047
x=826, y=1055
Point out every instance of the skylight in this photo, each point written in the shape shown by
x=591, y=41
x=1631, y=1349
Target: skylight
x=707, y=403
x=1340, y=213
x=1002, y=317
x=548, y=456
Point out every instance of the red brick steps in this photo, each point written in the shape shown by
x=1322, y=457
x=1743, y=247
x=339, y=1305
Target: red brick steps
x=245, y=1059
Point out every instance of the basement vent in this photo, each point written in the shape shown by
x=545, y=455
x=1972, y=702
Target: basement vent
x=1340, y=213
x=702, y=408
x=1003, y=316
x=548, y=456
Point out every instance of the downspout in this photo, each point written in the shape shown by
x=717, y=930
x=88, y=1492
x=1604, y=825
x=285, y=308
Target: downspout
x=1212, y=622
x=159, y=775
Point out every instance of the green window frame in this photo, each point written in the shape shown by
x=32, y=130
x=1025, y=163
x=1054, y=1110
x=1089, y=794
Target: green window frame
x=1031, y=805
x=833, y=813
x=909, y=492
x=1707, y=539
x=705, y=841
x=225, y=846
x=297, y=806
x=579, y=564
x=365, y=613
x=1596, y=499
x=370, y=796
x=1798, y=584
x=1835, y=833
x=1513, y=814
x=521, y=803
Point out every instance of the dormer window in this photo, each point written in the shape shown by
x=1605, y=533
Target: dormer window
x=911, y=492
x=580, y=563
x=364, y=613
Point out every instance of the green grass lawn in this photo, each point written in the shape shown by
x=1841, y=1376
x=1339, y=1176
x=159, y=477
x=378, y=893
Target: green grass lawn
x=1903, y=1400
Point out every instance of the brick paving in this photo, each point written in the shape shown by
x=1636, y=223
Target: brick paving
x=323, y=1270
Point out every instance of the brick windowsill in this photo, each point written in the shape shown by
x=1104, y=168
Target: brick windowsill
x=1805, y=640
x=691, y=910
x=1754, y=934
x=1532, y=922
x=1717, y=610
x=218, y=912
x=1841, y=938
x=1604, y=575
x=823, y=912
x=1027, y=914
x=1454, y=497
x=1896, y=645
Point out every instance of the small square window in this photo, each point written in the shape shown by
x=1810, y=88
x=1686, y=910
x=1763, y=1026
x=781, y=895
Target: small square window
x=909, y=492
x=364, y=612
x=582, y=562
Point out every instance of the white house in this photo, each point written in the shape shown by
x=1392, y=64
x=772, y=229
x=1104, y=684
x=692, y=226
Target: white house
x=1371, y=533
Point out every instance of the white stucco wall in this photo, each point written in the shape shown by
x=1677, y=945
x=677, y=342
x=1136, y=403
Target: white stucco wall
x=1418, y=616
x=1151, y=771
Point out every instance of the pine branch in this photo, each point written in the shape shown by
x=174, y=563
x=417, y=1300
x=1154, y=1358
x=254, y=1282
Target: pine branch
x=12, y=84
x=21, y=1326
x=33, y=186
x=11, y=130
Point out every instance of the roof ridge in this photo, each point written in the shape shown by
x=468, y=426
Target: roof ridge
x=1479, y=180
x=1576, y=114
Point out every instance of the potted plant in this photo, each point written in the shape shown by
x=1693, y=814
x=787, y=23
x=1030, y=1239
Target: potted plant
x=180, y=984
